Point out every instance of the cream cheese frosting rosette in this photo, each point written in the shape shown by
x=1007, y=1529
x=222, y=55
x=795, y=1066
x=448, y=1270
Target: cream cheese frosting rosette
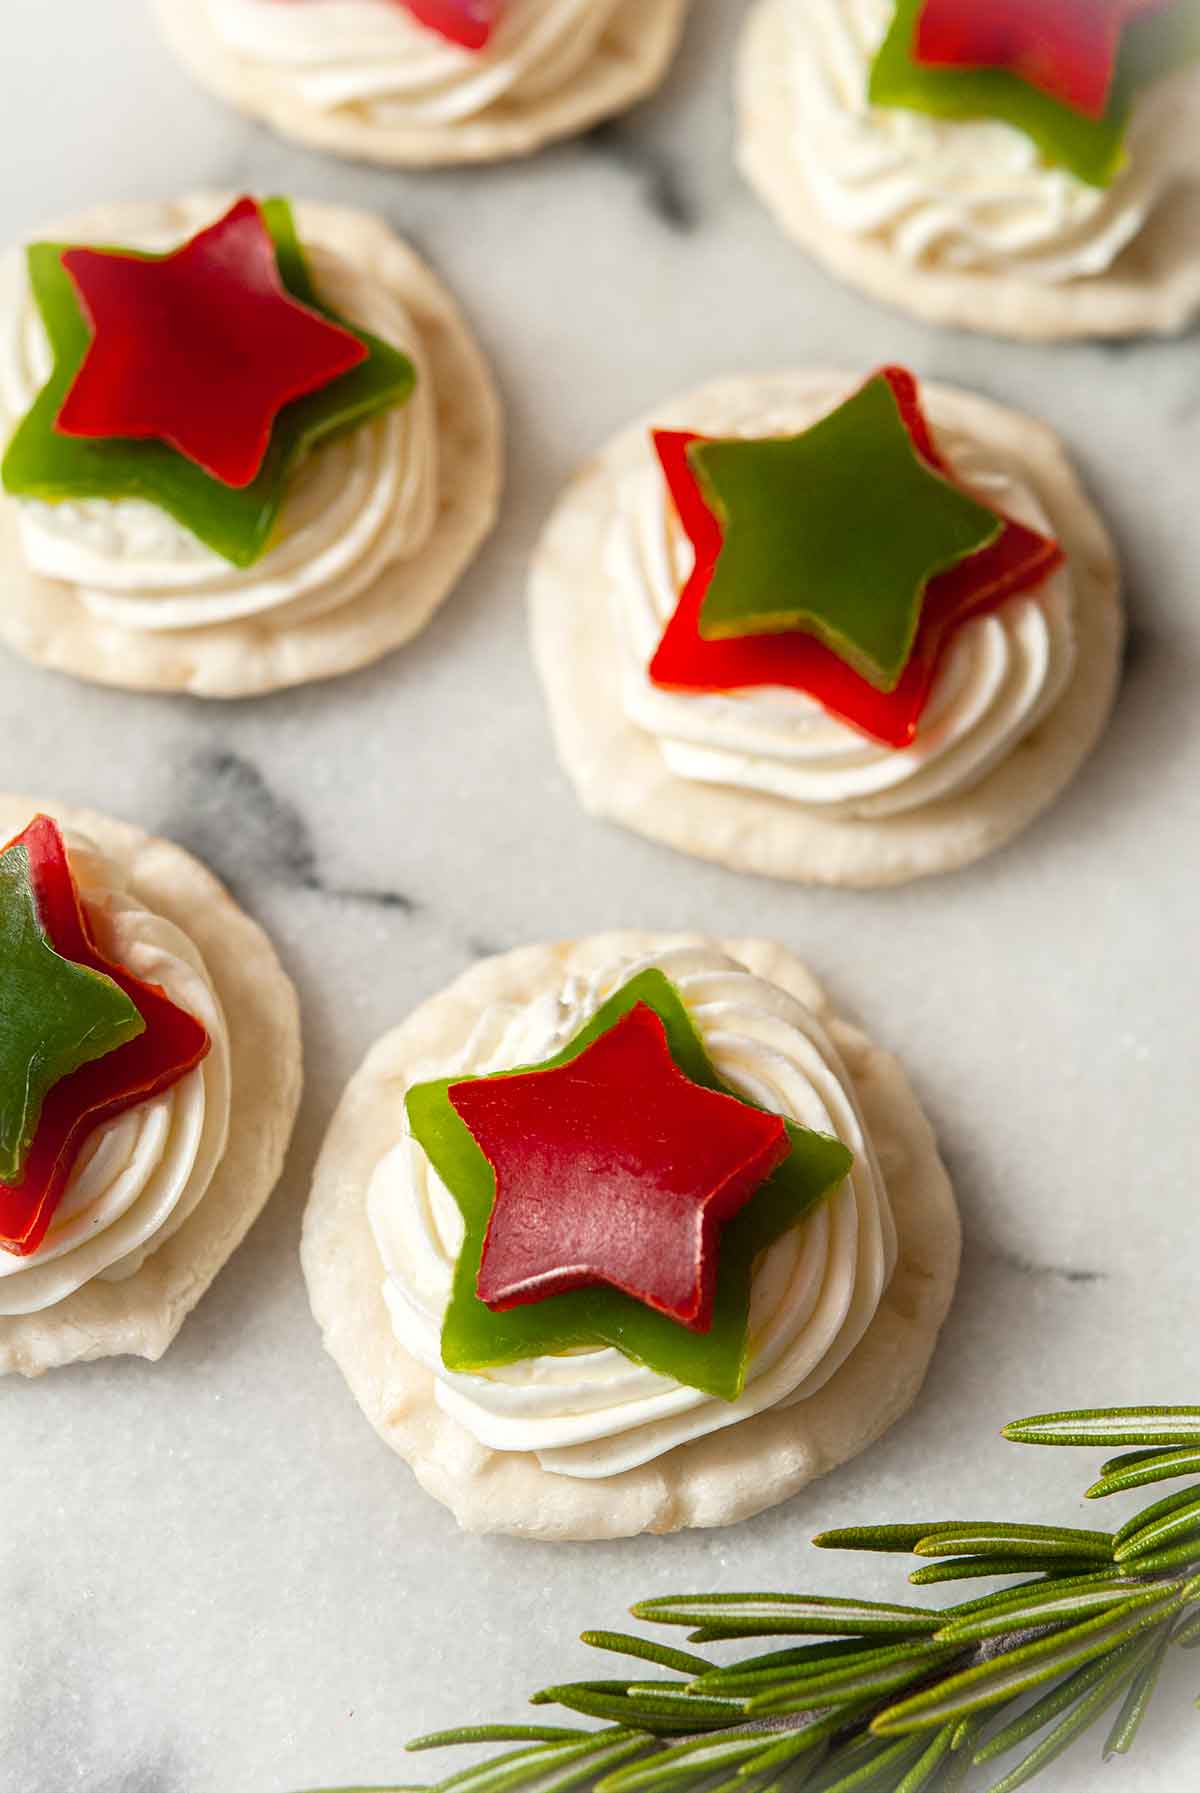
x=844, y=1290
x=165, y=568
x=156, y=1110
x=890, y=170
x=427, y=83
x=770, y=743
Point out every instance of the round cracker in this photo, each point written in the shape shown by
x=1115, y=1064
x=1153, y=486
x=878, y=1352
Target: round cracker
x=45, y=620
x=140, y=1316
x=718, y=1480
x=1153, y=288
x=619, y=771
x=632, y=60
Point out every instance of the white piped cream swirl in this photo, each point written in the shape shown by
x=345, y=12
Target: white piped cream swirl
x=593, y=1413
x=141, y=1176
x=373, y=56
x=356, y=505
x=955, y=194
x=1002, y=675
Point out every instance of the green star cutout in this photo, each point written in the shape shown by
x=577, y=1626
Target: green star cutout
x=237, y=524
x=1092, y=149
x=474, y=1338
x=836, y=532
x=55, y=1016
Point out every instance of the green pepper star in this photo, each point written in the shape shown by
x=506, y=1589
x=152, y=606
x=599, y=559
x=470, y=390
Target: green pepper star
x=55, y=1016
x=474, y=1338
x=836, y=532
x=237, y=523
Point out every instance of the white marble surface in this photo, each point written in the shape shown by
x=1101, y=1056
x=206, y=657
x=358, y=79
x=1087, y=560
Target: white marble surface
x=213, y=1578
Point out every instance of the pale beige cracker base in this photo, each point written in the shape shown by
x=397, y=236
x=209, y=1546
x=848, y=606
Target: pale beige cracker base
x=1153, y=288
x=619, y=771
x=45, y=620
x=712, y=1481
x=141, y=1316
x=632, y=61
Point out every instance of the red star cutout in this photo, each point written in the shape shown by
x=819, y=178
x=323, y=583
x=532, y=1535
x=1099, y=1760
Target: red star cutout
x=466, y=22
x=201, y=349
x=615, y=1169
x=173, y=1044
x=470, y=23
x=1017, y=561
x=1066, y=48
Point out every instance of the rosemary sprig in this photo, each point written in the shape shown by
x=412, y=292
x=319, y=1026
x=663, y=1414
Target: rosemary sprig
x=897, y=1698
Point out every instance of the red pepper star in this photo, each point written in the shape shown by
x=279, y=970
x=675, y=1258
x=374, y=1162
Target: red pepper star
x=615, y=1169
x=1017, y=561
x=173, y=1044
x=1066, y=48
x=470, y=23
x=200, y=349
x=466, y=22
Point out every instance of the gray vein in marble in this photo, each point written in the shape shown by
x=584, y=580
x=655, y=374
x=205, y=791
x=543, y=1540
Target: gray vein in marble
x=480, y=948
x=153, y=1776
x=1140, y=649
x=228, y=815
x=657, y=173
x=59, y=1703
x=1074, y=1275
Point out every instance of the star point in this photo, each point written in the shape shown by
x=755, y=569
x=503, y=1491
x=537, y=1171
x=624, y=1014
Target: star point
x=470, y=23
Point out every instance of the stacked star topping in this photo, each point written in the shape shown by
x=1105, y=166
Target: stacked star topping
x=1067, y=48
x=81, y=1039
x=840, y=562
x=619, y=1194
x=196, y=380
x=1066, y=72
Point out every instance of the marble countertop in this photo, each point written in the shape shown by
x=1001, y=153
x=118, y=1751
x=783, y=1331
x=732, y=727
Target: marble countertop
x=213, y=1575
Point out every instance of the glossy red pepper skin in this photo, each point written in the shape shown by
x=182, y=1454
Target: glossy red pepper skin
x=466, y=22
x=1068, y=49
x=615, y=1170
x=201, y=349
